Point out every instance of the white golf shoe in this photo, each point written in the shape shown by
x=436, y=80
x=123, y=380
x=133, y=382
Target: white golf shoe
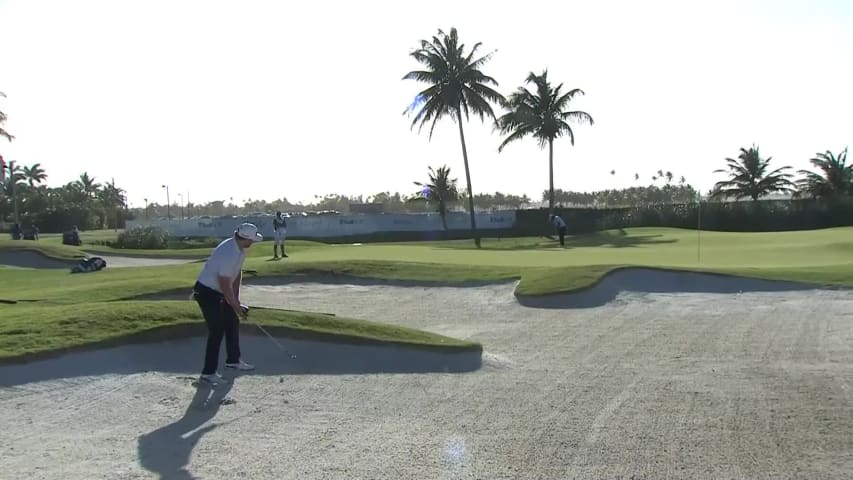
x=241, y=365
x=212, y=379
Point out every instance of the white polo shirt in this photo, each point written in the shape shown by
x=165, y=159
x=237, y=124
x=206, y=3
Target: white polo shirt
x=226, y=260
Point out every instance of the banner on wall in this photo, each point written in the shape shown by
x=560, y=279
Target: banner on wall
x=321, y=226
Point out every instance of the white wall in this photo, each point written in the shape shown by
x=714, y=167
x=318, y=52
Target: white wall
x=333, y=225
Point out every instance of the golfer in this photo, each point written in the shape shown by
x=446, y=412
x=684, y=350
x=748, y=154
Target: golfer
x=279, y=225
x=560, y=225
x=217, y=291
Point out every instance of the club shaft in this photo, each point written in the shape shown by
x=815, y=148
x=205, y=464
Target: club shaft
x=279, y=345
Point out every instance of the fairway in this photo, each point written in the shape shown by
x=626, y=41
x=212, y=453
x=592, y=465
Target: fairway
x=818, y=256
x=636, y=246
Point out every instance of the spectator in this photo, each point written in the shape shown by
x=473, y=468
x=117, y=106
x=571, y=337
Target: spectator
x=560, y=225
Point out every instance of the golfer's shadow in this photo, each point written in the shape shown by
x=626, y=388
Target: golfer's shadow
x=166, y=451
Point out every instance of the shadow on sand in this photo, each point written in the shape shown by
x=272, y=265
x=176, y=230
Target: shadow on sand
x=650, y=280
x=166, y=451
x=33, y=259
x=185, y=356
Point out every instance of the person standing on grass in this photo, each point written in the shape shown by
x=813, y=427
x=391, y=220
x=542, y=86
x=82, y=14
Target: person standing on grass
x=217, y=292
x=279, y=225
x=561, y=227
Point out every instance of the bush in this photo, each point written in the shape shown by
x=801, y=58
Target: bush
x=745, y=216
x=193, y=242
x=143, y=238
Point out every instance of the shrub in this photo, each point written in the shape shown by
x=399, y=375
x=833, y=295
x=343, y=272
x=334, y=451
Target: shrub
x=144, y=238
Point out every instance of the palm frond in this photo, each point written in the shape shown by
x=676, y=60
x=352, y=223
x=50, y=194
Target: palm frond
x=563, y=100
x=564, y=129
x=579, y=117
x=456, y=82
x=517, y=134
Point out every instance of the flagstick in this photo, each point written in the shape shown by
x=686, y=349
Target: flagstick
x=699, y=231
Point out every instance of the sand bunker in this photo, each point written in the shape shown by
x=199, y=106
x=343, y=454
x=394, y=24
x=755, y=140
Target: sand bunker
x=117, y=261
x=31, y=259
x=34, y=259
x=185, y=356
x=682, y=385
x=650, y=280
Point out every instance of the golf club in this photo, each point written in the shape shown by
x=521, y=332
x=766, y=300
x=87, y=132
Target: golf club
x=245, y=309
x=296, y=311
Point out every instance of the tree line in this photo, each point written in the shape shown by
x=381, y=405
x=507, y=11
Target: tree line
x=26, y=200
x=456, y=88
x=750, y=176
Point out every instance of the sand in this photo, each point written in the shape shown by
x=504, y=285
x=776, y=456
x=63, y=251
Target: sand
x=32, y=259
x=646, y=385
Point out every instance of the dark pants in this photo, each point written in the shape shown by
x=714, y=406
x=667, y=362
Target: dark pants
x=221, y=321
x=562, y=236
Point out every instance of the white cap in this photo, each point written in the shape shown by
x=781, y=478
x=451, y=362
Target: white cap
x=249, y=231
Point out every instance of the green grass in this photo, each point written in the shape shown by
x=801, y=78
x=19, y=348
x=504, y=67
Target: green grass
x=819, y=256
x=27, y=329
x=52, y=245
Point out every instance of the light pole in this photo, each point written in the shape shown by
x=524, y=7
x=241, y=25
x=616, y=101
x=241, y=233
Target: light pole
x=168, y=203
x=146, y=208
x=182, y=205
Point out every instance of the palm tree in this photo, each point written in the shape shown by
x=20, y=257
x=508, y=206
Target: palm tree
x=456, y=86
x=836, y=177
x=13, y=181
x=112, y=200
x=88, y=185
x=34, y=174
x=440, y=189
x=748, y=177
x=543, y=115
x=668, y=176
x=4, y=133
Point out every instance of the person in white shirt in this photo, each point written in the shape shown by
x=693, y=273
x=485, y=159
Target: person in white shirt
x=217, y=292
x=561, y=227
x=279, y=225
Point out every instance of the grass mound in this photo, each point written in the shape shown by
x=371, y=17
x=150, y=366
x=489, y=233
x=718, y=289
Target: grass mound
x=30, y=329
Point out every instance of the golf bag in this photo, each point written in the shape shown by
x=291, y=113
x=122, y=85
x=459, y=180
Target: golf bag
x=89, y=265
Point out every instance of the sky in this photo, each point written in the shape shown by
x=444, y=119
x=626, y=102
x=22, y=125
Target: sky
x=307, y=98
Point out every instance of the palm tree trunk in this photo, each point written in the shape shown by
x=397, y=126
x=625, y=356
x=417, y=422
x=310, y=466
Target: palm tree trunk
x=15, y=200
x=551, y=175
x=468, y=179
x=442, y=210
